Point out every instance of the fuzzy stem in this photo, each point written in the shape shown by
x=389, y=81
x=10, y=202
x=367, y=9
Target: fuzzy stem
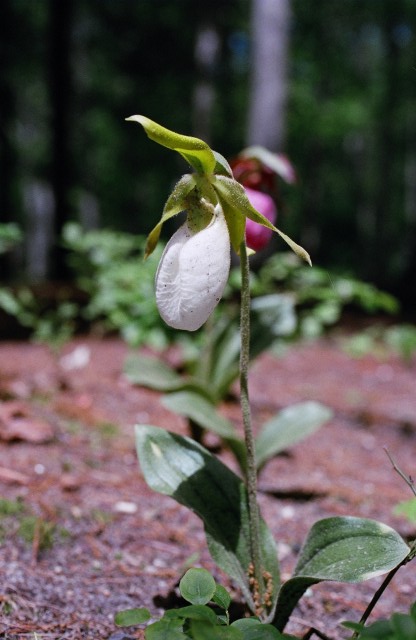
x=251, y=467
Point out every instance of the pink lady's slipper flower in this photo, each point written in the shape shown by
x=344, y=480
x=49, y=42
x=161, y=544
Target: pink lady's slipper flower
x=257, y=235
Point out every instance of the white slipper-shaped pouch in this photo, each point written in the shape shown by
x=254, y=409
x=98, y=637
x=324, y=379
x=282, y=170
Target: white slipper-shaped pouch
x=192, y=274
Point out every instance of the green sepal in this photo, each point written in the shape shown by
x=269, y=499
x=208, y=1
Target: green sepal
x=174, y=205
x=237, y=207
x=195, y=151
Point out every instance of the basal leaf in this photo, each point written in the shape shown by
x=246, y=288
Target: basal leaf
x=181, y=468
x=342, y=549
x=152, y=373
x=288, y=427
x=202, y=411
x=350, y=549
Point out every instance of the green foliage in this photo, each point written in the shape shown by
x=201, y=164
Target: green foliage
x=10, y=236
x=190, y=397
x=401, y=338
x=318, y=297
x=177, y=466
x=34, y=528
x=399, y=626
x=16, y=517
x=53, y=325
x=11, y=507
x=110, y=270
x=407, y=508
x=200, y=621
x=344, y=549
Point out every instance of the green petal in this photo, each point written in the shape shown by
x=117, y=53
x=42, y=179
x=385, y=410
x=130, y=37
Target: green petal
x=195, y=151
x=233, y=193
x=174, y=205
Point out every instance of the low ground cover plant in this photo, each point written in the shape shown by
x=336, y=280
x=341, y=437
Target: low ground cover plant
x=190, y=281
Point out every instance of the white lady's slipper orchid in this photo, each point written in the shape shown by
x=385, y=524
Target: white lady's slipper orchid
x=192, y=273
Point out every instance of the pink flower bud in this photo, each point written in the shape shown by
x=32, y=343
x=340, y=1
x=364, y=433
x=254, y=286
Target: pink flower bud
x=257, y=236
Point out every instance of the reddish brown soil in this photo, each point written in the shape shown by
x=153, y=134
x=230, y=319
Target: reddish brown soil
x=67, y=451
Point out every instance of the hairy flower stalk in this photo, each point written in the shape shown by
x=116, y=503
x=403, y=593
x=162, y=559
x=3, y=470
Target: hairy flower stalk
x=251, y=468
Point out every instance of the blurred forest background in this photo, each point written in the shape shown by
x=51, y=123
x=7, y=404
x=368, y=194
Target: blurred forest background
x=332, y=84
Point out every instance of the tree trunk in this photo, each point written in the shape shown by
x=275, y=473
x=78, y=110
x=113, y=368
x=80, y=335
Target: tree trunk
x=270, y=41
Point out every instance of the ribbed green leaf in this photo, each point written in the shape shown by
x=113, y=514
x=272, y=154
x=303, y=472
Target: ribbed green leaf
x=181, y=468
x=152, y=373
x=197, y=586
x=288, y=427
x=342, y=549
x=192, y=405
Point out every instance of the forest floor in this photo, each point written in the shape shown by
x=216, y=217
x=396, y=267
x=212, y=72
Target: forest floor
x=81, y=535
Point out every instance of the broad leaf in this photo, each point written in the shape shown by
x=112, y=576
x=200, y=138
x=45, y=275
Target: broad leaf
x=195, y=151
x=152, y=373
x=192, y=612
x=192, y=405
x=253, y=629
x=221, y=597
x=204, y=631
x=131, y=617
x=342, y=549
x=165, y=629
x=197, y=586
x=181, y=468
x=288, y=427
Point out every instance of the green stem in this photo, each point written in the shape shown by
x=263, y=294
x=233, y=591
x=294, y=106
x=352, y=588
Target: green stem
x=251, y=467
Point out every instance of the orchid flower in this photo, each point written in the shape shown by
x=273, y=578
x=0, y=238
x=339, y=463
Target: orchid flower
x=194, y=267
x=257, y=235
